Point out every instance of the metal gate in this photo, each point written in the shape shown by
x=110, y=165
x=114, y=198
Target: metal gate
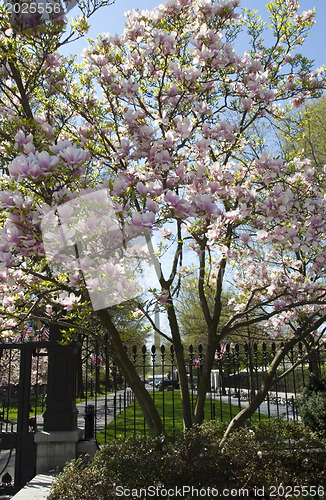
x=21, y=393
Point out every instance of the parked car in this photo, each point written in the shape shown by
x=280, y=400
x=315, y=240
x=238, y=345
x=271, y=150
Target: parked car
x=167, y=382
x=154, y=381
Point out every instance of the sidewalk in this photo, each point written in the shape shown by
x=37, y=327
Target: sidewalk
x=102, y=419
x=37, y=489
x=267, y=407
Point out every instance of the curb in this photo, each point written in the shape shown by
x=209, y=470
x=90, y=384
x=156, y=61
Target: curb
x=37, y=489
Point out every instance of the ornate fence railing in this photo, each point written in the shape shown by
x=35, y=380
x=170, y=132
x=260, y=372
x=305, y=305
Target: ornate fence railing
x=23, y=388
x=32, y=389
x=237, y=374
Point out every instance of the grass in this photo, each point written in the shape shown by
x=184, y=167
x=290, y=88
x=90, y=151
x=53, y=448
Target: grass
x=130, y=422
x=92, y=395
x=10, y=414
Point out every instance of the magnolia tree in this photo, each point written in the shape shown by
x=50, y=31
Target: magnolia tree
x=10, y=368
x=155, y=129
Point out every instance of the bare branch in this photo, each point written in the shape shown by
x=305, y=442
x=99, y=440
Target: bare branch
x=158, y=330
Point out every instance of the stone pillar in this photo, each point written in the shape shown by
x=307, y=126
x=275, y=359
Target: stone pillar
x=61, y=412
x=55, y=448
x=57, y=443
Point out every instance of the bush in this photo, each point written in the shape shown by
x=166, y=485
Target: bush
x=262, y=455
x=312, y=405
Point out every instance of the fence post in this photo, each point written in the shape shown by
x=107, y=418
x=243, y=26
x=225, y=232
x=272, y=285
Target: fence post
x=57, y=443
x=89, y=422
x=25, y=449
x=61, y=412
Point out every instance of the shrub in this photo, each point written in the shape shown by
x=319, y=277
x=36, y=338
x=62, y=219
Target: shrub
x=259, y=455
x=312, y=405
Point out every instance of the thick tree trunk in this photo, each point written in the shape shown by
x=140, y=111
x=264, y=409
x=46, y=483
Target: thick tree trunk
x=204, y=382
x=182, y=372
x=314, y=365
x=212, y=324
x=184, y=389
x=144, y=399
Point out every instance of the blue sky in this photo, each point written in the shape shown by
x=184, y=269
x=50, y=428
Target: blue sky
x=110, y=19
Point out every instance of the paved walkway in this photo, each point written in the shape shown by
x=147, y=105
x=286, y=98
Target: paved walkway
x=104, y=406
x=37, y=489
x=274, y=407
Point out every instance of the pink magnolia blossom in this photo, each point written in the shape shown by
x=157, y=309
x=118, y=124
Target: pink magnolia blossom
x=244, y=237
x=68, y=300
x=72, y=155
x=169, y=128
x=143, y=220
x=296, y=102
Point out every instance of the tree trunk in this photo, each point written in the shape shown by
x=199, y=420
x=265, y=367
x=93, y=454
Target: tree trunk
x=314, y=367
x=184, y=389
x=182, y=372
x=122, y=360
x=269, y=379
x=204, y=383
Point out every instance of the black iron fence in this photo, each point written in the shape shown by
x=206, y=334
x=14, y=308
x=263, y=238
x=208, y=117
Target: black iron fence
x=106, y=404
x=237, y=374
x=23, y=377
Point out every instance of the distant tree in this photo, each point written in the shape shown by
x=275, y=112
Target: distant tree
x=133, y=325
x=192, y=320
x=303, y=133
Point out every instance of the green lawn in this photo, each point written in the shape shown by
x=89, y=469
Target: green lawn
x=10, y=415
x=90, y=395
x=131, y=421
